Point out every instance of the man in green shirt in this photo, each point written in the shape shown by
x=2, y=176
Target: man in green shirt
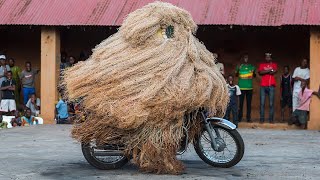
x=246, y=72
x=16, y=71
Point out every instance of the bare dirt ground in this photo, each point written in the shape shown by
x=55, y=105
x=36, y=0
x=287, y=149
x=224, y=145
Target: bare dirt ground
x=48, y=152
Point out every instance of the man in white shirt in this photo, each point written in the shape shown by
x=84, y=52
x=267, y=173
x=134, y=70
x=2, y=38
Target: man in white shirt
x=3, y=71
x=34, y=105
x=300, y=74
x=219, y=65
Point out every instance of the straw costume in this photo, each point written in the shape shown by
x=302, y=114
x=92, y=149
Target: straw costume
x=141, y=84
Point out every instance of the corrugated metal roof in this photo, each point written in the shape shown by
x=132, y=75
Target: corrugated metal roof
x=112, y=12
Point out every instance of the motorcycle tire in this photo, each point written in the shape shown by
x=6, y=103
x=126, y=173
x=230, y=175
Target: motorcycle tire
x=237, y=157
x=95, y=162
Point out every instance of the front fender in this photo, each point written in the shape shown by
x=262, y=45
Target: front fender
x=222, y=123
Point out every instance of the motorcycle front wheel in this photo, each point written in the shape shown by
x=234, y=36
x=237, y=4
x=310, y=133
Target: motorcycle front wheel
x=104, y=157
x=231, y=147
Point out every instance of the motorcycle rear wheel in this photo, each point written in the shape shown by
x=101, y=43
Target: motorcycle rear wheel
x=202, y=146
x=104, y=162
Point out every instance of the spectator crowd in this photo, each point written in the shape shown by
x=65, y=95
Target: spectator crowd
x=295, y=95
x=14, y=82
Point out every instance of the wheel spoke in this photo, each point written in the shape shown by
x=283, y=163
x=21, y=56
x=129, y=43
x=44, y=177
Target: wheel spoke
x=226, y=154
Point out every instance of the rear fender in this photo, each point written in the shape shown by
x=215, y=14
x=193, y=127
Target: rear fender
x=221, y=122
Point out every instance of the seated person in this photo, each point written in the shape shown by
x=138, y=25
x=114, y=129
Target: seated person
x=17, y=121
x=34, y=105
x=29, y=118
x=300, y=115
x=71, y=112
x=71, y=108
x=3, y=124
x=62, y=112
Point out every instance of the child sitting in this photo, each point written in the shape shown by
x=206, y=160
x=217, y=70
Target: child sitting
x=29, y=119
x=16, y=121
x=300, y=115
x=62, y=112
x=3, y=124
x=34, y=105
x=234, y=92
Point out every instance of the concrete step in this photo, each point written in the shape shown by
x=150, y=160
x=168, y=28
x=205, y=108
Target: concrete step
x=266, y=125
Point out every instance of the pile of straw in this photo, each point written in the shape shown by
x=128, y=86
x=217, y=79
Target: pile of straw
x=139, y=84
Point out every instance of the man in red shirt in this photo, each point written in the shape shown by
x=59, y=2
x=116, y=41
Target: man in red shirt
x=268, y=83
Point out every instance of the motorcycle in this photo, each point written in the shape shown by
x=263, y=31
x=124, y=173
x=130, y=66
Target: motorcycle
x=219, y=144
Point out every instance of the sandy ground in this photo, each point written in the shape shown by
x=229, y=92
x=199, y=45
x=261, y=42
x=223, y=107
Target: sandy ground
x=48, y=152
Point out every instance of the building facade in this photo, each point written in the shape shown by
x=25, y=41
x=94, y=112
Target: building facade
x=38, y=31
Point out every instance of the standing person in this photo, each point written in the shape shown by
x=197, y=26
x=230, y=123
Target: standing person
x=3, y=70
x=286, y=91
x=246, y=72
x=300, y=74
x=300, y=114
x=8, y=104
x=27, y=77
x=16, y=71
x=268, y=84
x=219, y=65
x=71, y=61
x=63, y=60
x=234, y=92
x=84, y=55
